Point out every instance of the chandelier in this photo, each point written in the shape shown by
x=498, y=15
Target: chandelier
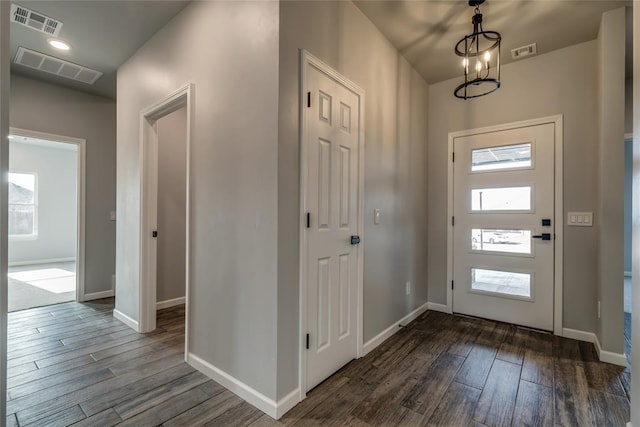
x=480, y=52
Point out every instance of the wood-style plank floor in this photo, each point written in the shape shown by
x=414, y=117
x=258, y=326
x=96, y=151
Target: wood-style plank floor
x=74, y=364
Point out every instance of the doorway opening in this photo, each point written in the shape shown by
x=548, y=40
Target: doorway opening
x=164, y=228
x=46, y=220
x=171, y=220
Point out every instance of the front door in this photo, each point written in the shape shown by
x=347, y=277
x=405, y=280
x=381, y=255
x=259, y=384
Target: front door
x=331, y=119
x=503, y=233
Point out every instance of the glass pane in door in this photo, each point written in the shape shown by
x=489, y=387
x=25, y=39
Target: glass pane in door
x=501, y=199
x=501, y=282
x=504, y=157
x=494, y=240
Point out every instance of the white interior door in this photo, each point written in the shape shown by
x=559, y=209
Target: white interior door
x=504, y=226
x=331, y=199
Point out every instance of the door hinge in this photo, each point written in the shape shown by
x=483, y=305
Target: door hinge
x=154, y=233
x=309, y=99
x=307, y=341
x=453, y=156
x=453, y=221
x=308, y=219
x=452, y=285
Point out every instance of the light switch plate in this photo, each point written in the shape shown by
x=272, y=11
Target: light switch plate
x=580, y=219
x=376, y=216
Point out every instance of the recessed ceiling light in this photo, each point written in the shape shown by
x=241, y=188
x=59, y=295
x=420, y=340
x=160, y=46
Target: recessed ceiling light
x=59, y=44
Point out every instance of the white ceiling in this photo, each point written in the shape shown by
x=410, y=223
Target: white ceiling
x=426, y=31
x=104, y=34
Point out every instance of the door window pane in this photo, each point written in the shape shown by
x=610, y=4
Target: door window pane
x=501, y=282
x=501, y=199
x=504, y=157
x=494, y=240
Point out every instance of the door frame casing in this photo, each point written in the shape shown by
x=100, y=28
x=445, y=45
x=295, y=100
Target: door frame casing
x=306, y=59
x=182, y=97
x=81, y=145
x=557, y=121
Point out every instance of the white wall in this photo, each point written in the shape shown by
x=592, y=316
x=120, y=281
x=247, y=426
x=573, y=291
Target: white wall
x=394, y=167
x=229, y=51
x=611, y=88
x=56, y=171
x=172, y=199
x=560, y=82
x=44, y=107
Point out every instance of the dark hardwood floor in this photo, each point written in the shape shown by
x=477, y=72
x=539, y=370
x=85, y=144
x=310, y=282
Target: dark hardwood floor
x=74, y=364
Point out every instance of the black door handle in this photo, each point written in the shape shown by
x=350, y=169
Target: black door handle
x=543, y=236
x=355, y=240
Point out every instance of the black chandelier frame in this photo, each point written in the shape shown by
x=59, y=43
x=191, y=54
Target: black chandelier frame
x=469, y=47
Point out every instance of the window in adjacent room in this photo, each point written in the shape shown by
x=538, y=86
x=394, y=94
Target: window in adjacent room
x=23, y=208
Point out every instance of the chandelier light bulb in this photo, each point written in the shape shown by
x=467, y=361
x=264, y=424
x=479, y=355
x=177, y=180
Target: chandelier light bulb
x=487, y=56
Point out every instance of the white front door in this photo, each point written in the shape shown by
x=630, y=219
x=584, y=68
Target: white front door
x=504, y=225
x=331, y=123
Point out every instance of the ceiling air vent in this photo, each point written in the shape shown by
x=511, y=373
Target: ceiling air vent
x=52, y=65
x=521, y=52
x=35, y=20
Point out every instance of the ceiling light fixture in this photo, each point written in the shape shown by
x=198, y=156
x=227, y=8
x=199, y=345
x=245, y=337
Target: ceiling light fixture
x=481, y=51
x=59, y=44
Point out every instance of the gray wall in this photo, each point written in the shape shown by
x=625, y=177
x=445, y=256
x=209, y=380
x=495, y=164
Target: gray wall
x=560, y=82
x=395, y=177
x=172, y=199
x=229, y=51
x=56, y=170
x=611, y=86
x=47, y=108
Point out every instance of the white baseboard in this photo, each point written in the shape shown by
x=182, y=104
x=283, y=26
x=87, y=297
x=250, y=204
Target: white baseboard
x=169, y=303
x=382, y=336
x=575, y=334
x=98, y=295
x=133, y=324
x=627, y=274
x=40, y=261
x=605, y=356
x=287, y=403
x=244, y=391
x=609, y=356
x=438, y=307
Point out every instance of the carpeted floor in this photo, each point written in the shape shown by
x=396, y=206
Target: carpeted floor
x=42, y=284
